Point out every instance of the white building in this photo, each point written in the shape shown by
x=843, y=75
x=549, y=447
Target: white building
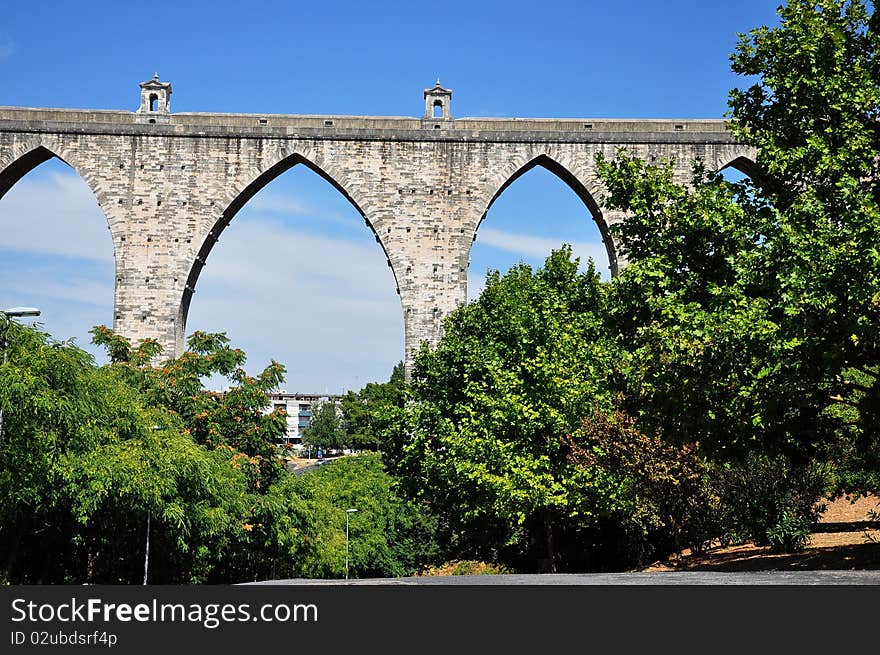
x=299, y=411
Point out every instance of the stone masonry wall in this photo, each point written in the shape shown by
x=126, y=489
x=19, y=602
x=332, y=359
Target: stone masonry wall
x=168, y=191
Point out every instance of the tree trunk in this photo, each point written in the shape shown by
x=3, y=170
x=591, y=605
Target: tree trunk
x=13, y=552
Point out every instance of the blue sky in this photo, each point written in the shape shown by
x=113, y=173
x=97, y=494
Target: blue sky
x=326, y=300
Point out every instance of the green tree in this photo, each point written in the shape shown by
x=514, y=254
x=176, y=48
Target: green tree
x=753, y=307
x=389, y=536
x=233, y=425
x=705, y=357
x=483, y=437
x=327, y=427
x=654, y=498
x=750, y=310
x=234, y=420
x=365, y=411
x=83, y=463
x=814, y=115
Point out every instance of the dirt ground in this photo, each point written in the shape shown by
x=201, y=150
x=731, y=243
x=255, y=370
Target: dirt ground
x=845, y=538
x=299, y=462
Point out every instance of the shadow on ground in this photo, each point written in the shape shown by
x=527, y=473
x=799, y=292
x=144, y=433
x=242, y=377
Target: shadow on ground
x=861, y=557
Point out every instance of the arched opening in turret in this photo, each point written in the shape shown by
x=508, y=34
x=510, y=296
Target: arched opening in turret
x=297, y=277
x=56, y=252
x=538, y=209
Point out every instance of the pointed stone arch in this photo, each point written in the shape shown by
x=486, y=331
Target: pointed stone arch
x=250, y=185
x=27, y=154
x=11, y=172
x=585, y=188
x=739, y=157
x=744, y=165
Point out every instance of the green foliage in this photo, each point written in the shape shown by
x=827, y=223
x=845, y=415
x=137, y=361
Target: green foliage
x=233, y=420
x=660, y=501
x=483, y=438
x=89, y=453
x=388, y=536
x=814, y=115
x=82, y=465
x=327, y=427
x=365, y=411
x=751, y=309
x=771, y=501
x=233, y=426
x=707, y=359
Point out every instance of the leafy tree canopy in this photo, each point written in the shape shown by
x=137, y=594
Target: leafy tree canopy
x=84, y=461
x=484, y=436
x=327, y=427
x=751, y=309
x=234, y=419
x=365, y=411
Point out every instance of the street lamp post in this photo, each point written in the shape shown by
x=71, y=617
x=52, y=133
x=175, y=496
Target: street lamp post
x=156, y=428
x=347, y=512
x=147, y=550
x=6, y=315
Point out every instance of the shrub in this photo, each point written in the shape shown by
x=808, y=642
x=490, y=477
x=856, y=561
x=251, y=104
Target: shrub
x=662, y=502
x=465, y=567
x=771, y=501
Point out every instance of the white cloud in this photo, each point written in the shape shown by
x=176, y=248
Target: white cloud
x=326, y=307
x=539, y=247
x=55, y=214
x=268, y=201
x=62, y=285
x=531, y=249
x=475, y=286
x=273, y=203
x=269, y=255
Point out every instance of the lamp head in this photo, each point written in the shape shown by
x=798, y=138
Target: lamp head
x=15, y=312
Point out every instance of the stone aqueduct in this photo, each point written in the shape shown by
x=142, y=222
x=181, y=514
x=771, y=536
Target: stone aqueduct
x=169, y=184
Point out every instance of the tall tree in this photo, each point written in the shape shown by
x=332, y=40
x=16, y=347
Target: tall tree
x=233, y=426
x=365, y=411
x=234, y=420
x=84, y=462
x=483, y=438
x=814, y=115
x=389, y=536
x=752, y=308
x=327, y=427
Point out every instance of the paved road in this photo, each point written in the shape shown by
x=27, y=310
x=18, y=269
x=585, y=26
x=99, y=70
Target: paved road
x=657, y=578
